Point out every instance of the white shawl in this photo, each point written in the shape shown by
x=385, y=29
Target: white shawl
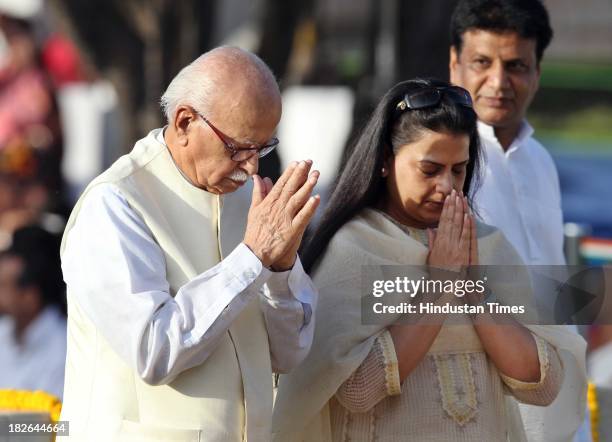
x=342, y=342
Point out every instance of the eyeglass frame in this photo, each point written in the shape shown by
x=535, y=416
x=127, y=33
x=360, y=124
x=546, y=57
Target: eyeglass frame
x=458, y=95
x=233, y=148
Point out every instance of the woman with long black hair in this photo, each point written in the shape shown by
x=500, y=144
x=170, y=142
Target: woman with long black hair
x=404, y=198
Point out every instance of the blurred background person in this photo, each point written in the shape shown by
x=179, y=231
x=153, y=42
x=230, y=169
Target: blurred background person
x=32, y=298
x=30, y=131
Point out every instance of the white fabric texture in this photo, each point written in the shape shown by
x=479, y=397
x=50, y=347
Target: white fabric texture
x=520, y=196
x=36, y=363
x=342, y=341
x=160, y=336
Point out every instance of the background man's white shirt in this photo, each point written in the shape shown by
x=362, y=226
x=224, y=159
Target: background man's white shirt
x=520, y=195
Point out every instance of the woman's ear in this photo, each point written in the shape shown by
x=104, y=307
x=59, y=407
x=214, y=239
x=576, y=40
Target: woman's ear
x=387, y=158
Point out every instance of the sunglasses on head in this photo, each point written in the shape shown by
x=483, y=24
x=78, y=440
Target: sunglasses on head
x=432, y=95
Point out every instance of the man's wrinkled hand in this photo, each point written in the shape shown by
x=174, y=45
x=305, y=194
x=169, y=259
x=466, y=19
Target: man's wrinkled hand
x=279, y=215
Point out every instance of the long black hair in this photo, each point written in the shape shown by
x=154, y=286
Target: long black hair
x=360, y=183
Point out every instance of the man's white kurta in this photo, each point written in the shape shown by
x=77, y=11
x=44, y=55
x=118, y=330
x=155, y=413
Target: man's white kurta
x=166, y=339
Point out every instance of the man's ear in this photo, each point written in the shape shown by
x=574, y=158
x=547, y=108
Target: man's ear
x=452, y=64
x=183, y=118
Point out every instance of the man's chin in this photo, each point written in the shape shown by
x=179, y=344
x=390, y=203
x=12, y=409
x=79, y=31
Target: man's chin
x=496, y=117
x=229, y=185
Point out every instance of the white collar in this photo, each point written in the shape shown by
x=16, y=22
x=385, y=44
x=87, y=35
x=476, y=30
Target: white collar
x=488, y=132
x=160, y=138
x=160, y=135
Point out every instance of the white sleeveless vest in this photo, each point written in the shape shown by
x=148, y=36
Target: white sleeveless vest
x=228, y=397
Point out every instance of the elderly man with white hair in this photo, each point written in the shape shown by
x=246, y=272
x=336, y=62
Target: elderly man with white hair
x=168, y=339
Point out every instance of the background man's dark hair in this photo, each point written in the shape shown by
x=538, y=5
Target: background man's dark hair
x=528, y=18
x=39, y=251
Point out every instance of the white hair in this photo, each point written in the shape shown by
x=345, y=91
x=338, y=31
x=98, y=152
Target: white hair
x=196, y=84
x=190, y=87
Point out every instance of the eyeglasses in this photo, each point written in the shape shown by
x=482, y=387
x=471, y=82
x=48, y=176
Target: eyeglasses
x=237, y=153
x=432, y=95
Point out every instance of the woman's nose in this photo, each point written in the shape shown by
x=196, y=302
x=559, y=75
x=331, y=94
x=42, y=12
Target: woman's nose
x=444, y=184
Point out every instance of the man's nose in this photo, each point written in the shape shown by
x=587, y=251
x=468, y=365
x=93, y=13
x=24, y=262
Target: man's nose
x=251, y=165
x=498, y=77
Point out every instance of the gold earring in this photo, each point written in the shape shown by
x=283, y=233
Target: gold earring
x=383, y=172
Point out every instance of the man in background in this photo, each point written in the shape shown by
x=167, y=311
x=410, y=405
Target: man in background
x=32, y=296
x=496, y=50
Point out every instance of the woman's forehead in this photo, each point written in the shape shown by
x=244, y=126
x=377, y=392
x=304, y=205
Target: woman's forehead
x=439, y=147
